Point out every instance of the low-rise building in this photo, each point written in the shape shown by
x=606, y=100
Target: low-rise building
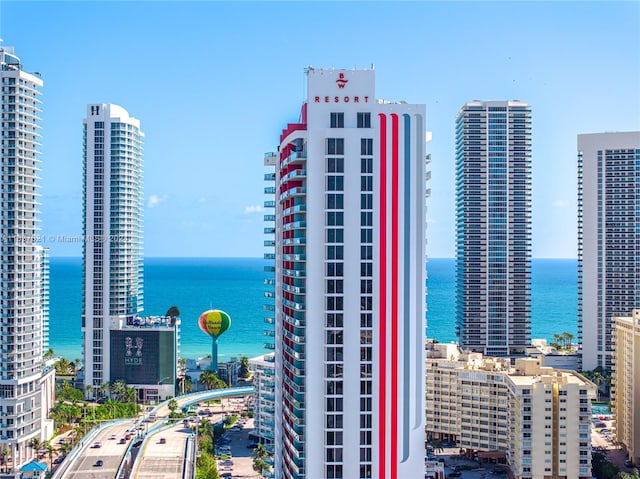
x=144, y=354
x=263, y=372
x=626, y=386
x=534, y=418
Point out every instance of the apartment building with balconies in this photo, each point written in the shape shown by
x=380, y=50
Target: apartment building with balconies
x=626, y=384
x=533, y=418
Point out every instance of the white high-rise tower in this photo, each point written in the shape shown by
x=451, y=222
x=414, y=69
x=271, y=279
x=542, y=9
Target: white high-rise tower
x=112, y=229
x=608, y=245
x=350, y=284
x=24, y=382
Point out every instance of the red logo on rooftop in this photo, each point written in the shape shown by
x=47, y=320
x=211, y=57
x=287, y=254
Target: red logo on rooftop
x=341, y=81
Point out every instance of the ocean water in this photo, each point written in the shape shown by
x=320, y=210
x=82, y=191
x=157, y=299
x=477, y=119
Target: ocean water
x=235, y=286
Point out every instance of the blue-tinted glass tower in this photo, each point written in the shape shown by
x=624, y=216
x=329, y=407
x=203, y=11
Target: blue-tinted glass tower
x=493, y=225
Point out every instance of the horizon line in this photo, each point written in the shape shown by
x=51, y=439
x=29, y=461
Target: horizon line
x=260, y=257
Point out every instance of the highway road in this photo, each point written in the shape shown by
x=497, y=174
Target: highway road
x=110, y=453
x=84, y=464
x=163, y=460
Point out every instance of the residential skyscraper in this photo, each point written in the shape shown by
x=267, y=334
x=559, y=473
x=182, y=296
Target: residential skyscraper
x=350, y=284
x=608, y=246
x=24, y=381
x=493, y=225
x=112, y=228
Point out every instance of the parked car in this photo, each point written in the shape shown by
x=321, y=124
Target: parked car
x=58, y=459
x=455, y=474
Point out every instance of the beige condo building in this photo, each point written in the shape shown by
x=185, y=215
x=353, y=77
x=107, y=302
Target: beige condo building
x=536, y=419
x=626, y=388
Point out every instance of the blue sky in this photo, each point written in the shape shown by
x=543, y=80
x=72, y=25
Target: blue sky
x=213, y=83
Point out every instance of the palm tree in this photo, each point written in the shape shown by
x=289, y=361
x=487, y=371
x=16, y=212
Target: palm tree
x=260, y=466
x=172, y=405
x=64, y=448
x=88, y=389
x=211, y=380
x=119, y=388
x=4, y=453
x=260, y=451
x=244, y=367
x=50, y=450
x=35, y=444
x=105, y=389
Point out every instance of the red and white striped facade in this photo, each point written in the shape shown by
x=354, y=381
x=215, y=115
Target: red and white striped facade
x=350, y=284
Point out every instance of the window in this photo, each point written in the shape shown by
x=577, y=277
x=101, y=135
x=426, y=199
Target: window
x=364, y=120
x=366, y=146
x=366, y=165
x=335, y=201
x=335, y=165
x=335, y=146
x=335, y=218
x=335, y=183
x=337, y=120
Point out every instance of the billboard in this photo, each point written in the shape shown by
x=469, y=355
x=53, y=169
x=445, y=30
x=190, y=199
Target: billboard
x=143, y=356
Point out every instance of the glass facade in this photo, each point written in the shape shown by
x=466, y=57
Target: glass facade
x=493, y=224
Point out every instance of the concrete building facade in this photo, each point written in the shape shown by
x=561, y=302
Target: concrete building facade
x=626, y=387
x=26, y=385
x=608, y=246
x=537, y=417
x=112, y=229
x=350, y=284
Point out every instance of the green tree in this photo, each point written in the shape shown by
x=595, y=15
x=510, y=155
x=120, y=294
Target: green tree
x=260, y=466
x=51, y=450
x=629, y=475
x=63, y=367
x=244, y=367
x=211, y=380
x=4, y=454
x=49, y=354
x=206, y=467
x=64, y=447
x=567, y=338
x=172, y=405
x=35, y=444
x=119, y=388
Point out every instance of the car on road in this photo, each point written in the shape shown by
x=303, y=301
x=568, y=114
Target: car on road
x=99, y=463
x=127, y=437
x=112, y=437
x=97, y=445
x=59, y=459
x=123, y=440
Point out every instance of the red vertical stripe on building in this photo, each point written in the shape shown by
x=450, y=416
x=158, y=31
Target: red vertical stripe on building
x=394, y=296
x=382, y=364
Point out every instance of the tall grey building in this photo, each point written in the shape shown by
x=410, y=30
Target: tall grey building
x=608, y=239
x=112, y=228
x=26, y=385
x=493, y=225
